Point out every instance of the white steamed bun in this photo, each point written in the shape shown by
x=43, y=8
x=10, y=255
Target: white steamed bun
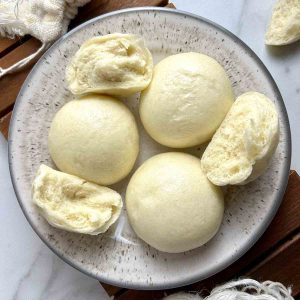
x=171, y=204
x=186, y=101
x=242, y=147
x=73, y=204
x=284, y=27
x=95, y=138
x=114, y=64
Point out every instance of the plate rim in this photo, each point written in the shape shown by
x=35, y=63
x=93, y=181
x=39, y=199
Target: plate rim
x=264, y=225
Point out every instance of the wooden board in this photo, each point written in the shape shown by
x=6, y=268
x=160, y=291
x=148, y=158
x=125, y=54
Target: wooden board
x=268, y=254
x=7, y=45
x=10, y=85
x=4, y=124
x=282, y=265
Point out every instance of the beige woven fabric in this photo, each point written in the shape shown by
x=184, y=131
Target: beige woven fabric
x=46, y=20
x=242, y=289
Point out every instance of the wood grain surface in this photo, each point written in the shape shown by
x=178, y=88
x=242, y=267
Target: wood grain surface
x=281, y=265
x=10, y=85
x=278, y=240
x=7, y=45
x=4, y=124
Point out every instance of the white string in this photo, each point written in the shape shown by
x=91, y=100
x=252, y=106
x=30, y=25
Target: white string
x=243, y=289
x=12, y=24
x=24, y=62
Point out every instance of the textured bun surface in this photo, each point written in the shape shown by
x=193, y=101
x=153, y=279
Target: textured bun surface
x=114, y=64
x=284, y=27
x=70, y=203
x=242, y=147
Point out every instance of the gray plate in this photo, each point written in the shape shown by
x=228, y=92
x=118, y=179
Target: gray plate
x=119, y=257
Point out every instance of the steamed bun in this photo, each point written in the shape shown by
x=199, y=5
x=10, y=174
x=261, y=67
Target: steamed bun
x=73, y=204
x=95, y=138
x=186, y=100
x=284, y=27
x=114, y=64
x=242, y=147
x=171, y=204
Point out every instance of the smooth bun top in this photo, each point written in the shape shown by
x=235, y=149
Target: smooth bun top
x=186, y=101
x=171, y=204
x=114, y=64
x=95, y=138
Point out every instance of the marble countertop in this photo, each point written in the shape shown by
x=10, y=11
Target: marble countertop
x=29, y=269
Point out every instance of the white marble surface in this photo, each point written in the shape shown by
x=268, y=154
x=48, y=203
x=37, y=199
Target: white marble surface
x=29, y=270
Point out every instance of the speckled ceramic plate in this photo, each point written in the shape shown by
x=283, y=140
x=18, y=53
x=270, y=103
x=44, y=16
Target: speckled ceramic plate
x=118, y=257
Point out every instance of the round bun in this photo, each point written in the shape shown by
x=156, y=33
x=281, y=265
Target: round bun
x=95, y=138
x=171, y=204
x=70, y=203
x=242, y=147
x=186, y=100
x=114, y=64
